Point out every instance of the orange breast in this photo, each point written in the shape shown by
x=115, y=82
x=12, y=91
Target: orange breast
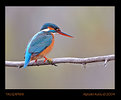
x=46, y=51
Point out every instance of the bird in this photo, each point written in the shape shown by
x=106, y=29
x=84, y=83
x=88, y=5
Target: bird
x=42, y=43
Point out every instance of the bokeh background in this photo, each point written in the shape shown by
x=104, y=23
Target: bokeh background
x=93, y=31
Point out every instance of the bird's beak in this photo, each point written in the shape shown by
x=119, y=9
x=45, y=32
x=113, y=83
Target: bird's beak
x=65, y=34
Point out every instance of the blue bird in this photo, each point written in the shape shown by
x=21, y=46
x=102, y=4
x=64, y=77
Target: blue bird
x=42, y=43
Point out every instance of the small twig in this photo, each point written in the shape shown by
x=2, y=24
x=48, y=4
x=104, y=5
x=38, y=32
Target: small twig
x=105, y=63
x=63, y=60
x=84, y=65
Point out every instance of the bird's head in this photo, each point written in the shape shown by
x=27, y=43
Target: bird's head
x=49, y=27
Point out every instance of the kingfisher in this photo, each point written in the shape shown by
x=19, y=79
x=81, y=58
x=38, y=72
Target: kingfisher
x=42, y=43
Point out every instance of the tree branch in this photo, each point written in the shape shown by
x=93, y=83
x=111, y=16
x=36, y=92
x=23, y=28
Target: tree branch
x=83, y=61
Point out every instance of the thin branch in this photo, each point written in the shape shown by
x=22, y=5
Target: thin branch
x=83, y=61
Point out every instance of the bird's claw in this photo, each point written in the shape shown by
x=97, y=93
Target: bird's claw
x=49, y=60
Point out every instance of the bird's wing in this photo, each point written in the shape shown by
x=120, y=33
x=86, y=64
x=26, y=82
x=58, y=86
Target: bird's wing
x=39, y=43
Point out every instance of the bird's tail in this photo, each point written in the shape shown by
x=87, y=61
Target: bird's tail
x=27, y=59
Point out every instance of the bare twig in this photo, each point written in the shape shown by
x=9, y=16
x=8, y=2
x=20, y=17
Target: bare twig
x=63, y=60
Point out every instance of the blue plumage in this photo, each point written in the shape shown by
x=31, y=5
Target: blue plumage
x=37, y=44
x=27, y=58
x=46, y=25
x=42, y=41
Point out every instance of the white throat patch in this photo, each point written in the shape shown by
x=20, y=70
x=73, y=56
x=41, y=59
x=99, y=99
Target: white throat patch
x=47, y=29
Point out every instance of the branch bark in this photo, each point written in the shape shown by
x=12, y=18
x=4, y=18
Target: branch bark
x=83, y=61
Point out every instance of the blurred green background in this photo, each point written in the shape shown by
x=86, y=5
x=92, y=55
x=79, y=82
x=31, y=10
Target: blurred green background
x=93, y=31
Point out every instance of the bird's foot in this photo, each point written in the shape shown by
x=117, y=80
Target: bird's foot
x=49, y=60
x=36, y=62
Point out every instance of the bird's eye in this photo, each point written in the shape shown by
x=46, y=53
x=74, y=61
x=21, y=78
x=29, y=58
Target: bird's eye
x=58, y=29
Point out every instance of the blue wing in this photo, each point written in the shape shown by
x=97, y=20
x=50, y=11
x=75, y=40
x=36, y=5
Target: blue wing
x=37, y=44
x=40, y=42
